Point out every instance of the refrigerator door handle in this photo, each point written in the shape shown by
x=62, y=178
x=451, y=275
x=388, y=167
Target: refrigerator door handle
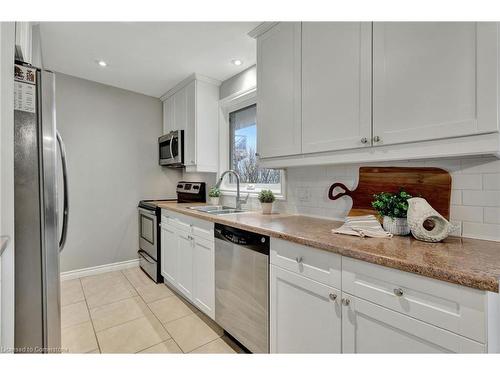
x=64, y=230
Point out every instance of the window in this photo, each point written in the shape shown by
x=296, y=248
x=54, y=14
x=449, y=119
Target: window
x=242, y=149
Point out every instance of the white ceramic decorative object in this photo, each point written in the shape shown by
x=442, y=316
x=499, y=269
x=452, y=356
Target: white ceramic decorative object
x=397, y=225
x=214, y=201
x=267, y=208
x=419, y=211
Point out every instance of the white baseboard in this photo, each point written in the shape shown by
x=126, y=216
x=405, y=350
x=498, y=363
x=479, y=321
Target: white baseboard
x=75, y=274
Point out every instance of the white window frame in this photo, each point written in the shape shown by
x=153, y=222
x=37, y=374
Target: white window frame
x=226, y=106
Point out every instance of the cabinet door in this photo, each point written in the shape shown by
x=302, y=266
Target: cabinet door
x=180, y=109
x=168, y=115
x=204, y=276
x=369, y=328
x=305, y=316
x=185, y=264
x=190, y=133
x=433, y=80
x=336, y=85
x=169, y=244
x=278, y=98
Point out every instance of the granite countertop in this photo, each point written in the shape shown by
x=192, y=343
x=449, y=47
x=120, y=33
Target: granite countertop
x=469, y=262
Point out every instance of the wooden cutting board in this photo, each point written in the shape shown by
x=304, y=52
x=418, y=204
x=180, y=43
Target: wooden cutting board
x=433, y=184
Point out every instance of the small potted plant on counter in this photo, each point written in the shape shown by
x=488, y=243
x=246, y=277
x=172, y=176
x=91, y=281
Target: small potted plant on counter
x=266, y=199
x=214, y=196
x=392, y=207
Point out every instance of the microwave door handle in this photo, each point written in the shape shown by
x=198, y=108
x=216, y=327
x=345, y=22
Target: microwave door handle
x=170, y=144
x=64, y=231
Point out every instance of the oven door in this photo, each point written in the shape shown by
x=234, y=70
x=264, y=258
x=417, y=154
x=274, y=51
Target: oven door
x=171, y=149
x=147, y=232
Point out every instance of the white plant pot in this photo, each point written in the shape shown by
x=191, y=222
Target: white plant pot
x=267, y=208
x=397, y=226
x=214, y=201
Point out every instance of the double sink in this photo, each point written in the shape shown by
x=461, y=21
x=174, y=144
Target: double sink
x=216, y=210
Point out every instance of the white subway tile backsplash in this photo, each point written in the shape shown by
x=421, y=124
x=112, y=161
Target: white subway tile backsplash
x=492, y=215
x=491, y=181
x=467, y=181
x=475, y=198
x=456, y=197
x=485, y=198
x=481, y=231
x=481, y=165
x=466, y=213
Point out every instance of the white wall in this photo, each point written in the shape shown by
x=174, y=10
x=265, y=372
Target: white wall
x=111, y=143
x=7, y=38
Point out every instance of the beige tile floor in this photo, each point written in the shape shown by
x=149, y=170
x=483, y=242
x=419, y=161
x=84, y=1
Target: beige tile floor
x=126, y=312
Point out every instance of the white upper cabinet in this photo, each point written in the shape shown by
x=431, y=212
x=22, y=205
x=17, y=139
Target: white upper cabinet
x=278, y=99
x=433, y=80
x=354, y=92
x=336, y=85
x=192, y=106
x=168, y=115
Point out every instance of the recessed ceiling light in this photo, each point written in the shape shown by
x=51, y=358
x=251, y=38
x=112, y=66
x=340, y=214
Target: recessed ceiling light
x=102, y=63
x=237, y=62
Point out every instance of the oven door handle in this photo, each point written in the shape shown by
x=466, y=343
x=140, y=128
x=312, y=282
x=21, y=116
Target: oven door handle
x=145, y=256
x=147, y=213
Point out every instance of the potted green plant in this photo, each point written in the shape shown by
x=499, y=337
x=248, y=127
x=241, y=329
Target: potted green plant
x=266, y=199
x=392, y=207
x=214, y=196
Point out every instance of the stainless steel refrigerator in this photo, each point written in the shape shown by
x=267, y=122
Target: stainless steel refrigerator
x=39, y=234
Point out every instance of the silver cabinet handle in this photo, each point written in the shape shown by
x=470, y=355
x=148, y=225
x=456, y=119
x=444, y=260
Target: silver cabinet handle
x=64, y=231
x=332, y=296
x=364, y=140
x=299, y=259
x=398, y=292
x=346, y=301
x=376, y=139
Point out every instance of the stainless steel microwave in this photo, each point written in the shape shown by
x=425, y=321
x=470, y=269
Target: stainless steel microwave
x=171, y=149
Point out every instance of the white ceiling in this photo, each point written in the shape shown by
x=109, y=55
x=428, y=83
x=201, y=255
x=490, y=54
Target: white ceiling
x=147, y=57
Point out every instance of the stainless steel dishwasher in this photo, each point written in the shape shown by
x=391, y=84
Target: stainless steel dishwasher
x=242, y=286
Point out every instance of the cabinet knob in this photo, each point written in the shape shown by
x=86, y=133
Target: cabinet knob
x=377, y=139
x=257, y=154
x=364, y=140
x=333, y=296
x=299, y=259
x=398, y=292
x=346, y=301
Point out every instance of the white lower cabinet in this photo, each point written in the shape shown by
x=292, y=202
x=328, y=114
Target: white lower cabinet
x=185, y=264
x=370, y=328
x=169, y=252
x=204, y=276
x=305, y=314
x=188, y=262
x=372, y=309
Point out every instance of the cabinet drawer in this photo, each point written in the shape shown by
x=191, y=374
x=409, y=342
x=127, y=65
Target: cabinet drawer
x=453, y=307
x=318, y=265
x=200, y=228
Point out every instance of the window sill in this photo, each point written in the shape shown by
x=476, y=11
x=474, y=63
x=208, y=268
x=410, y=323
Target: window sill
x=251, y=194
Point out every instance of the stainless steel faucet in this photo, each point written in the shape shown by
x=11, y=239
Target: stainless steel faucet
x=239, y=201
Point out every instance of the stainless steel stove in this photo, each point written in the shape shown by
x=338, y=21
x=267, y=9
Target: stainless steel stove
x=149, y=230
